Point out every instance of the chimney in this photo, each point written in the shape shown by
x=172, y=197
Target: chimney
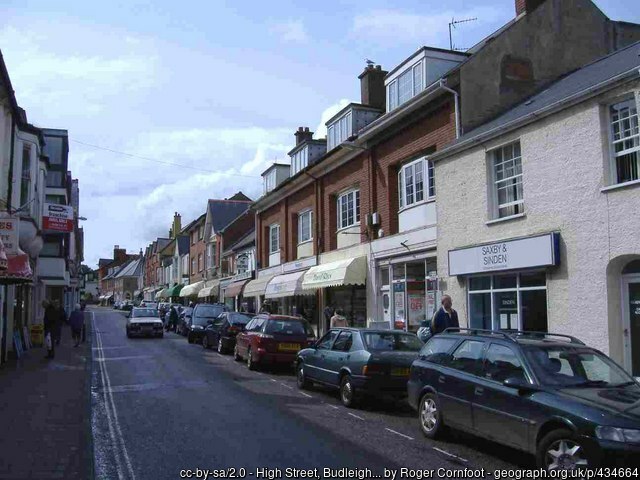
x=527, y=6
x=372, y=91
x=119, y=254
x=303, y=134
x=177, y=224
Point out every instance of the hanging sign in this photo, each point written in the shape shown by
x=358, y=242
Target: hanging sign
x=58, y=218
x=9, y=234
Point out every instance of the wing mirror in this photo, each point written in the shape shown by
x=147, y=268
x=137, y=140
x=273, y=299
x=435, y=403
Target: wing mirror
x=519, y=384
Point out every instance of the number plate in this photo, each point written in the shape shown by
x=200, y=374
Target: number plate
x=288, y=347
x=400, y=372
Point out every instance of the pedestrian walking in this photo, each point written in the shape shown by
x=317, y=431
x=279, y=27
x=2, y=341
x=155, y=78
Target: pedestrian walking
x=339, y=320
x=76, y=321
x=445, y=317
x=173, y=319
x=49, y=328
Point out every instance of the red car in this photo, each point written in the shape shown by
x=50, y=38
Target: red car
x=272, y=339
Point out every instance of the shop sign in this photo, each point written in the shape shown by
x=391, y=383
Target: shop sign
x=539, y=251
x=9, y=234
x=58, y=218
x=299, y=264
x=242, y=276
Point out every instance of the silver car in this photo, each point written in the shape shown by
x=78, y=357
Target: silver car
x=144, y=322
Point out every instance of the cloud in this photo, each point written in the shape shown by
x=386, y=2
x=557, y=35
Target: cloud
x=291, y=31
x=321, y=129
x=421, y=29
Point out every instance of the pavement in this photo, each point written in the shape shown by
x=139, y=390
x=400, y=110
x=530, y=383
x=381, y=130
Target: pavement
x=163, y=408
x=45, y=414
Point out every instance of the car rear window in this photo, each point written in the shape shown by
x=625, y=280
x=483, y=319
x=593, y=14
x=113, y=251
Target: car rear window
x=239, y=318
x=288, y=327
x=406, y=342
x=212, y=311
x=437, y=349
x=144, y=312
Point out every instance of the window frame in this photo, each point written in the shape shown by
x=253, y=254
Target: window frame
x=613, y=155
x=302, y=214
x=355, y=192
x=272, y=250
x=428, y=182
x=392, y=89
x=495, y=205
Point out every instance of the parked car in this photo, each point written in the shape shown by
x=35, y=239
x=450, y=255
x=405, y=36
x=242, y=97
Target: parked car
x=117, y=305
x=126, y=306
x=184, y=321
x=360, y=362
x=201, y=314
x=149, y=304
x=144, y=322
x=550, y=395
x=222, y=332
x=273, y=339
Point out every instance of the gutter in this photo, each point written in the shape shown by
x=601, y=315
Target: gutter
x=535, y=115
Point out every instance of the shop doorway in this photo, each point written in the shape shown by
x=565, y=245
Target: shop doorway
x=631, y=317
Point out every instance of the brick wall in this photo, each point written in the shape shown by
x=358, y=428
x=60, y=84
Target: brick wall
x=199, y=248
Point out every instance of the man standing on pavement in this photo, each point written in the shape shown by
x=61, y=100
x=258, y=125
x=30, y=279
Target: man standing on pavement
x=445, y=317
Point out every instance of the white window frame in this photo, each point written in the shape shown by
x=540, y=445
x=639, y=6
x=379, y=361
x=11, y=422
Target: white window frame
x=508, y=181
x=299, y=160
x=425, y=167
x=633, y=137
x=301, y=215
x=269, y=181
x=274, y=247
x=393, y=88
x=340, y=130
x=354, y=194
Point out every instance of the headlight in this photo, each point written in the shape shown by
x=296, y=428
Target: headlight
x=618, y=434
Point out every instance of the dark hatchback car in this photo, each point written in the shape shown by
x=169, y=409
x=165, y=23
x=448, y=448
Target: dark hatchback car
x=202, y=313
x=184, y=321
x=221, y=333
x=360, y=362
x=272, y=339
x=550, y=395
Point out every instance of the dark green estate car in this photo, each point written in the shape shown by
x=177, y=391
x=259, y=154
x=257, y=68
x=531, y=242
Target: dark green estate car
x=360, y=362
x=568, y=404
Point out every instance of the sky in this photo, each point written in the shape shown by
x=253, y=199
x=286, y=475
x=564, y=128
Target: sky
x=170, y=103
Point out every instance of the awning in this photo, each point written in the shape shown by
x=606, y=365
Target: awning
x=192, y=289
x=55, y=282
x=286, y=285
x=234, y=289
x=162, y=293
x=352, y=271
x=210, y=289
x=174, y=291
x=256, y=287
x=18, y=269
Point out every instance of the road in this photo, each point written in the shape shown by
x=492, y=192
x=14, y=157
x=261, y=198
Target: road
x=162, y=405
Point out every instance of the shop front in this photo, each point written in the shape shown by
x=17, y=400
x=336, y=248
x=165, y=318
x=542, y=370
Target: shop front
x=255, y=289
x=210, y=291
x=233, y=296
x=506, y=282
x=190, y=292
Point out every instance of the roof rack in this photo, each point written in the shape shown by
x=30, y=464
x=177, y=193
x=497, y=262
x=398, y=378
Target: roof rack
x=522, y=333
x=478, y=331
x=512, y=335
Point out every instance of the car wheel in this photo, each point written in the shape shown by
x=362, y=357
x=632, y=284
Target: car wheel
x=220, y=346
x=236, y=355
x=430, y=416
x=562, y=450
x=161, y=335
x=189, y=338
x=301, y=378
x=347, y=392
x=251, y=365
x=205, y=342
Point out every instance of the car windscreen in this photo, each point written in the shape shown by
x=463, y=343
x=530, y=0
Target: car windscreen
x=571, y=366
x=144, y=312
x=239, y=318
x=288, y=327
x=394, y=341
x=209, y=311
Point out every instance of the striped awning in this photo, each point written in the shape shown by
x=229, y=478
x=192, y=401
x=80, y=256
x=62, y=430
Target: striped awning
x=352, y=271
x=192, y=289
x=210, y=289
x=234, y=289
x=257, y=287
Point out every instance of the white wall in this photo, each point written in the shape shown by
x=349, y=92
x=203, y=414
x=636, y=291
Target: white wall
x=305, y=249
x=348, y=236
x=423, y=214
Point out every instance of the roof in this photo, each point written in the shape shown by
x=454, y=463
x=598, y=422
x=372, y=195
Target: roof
x=248, y=240
x=131, y=269
x=104, y=261
x=161, y=243
x=196, y=222
x=275, y=165
x=183, y=245
x=223, y=212
x=575, y=85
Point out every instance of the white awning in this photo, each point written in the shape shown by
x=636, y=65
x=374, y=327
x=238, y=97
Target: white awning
x=352, y=271
x=55, y=282
x=192, y=289
x=256, y=287
x=162, y=293
x=286, y=285
x=210, y=289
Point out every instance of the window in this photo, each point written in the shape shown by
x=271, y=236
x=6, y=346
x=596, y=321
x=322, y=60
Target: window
x=305, y=232
x=269, y=181
x=467, y=357
x=274, y=239
x=343, y=342
x=349, y=209
x=52, y=248
x=507, y=180
x=299, y=160
x=626, y=141
x=55, y=199
x=513, y=301
x=437, y=349
x=194, y=236
x=200, y=232
x=325, y=342
x=411, y=184
x=54, y=179
x=339, y=131
x=502, y=363
x=200, y=266
x=406, y=86
x=25, y=183
x=193, y=266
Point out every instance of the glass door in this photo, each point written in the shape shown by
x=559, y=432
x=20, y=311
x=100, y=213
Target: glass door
x=631, y=324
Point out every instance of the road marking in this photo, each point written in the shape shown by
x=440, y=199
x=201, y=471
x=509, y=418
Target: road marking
x=286, y=386
x=355, y=416
x=450, y=454
x=333, y=406
x=102, y=358
x=112, y=414
x=306, y=394
x=274, y=380
x=109, y=348
x=398, y=433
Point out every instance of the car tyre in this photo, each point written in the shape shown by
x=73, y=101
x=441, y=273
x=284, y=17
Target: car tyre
x=251, y=365
x=301, y=378
x=205, y=342
x=236, y=355
x=561, y=449
x=430, y=416
x=347, y=392
x=190, y=338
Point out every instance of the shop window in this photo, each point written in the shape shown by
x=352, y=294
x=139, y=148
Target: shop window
x=506, y=173
x=625, y=141
x=414, y=291
x=509, y=302
x=349, y=209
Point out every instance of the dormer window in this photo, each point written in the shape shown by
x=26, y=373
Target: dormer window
x=339, y=131
x=269, y=181
x=406, y=86
x=299, y=160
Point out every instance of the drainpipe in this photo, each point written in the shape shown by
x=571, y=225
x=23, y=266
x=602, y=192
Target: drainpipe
x=456, y=99
x=12, y=149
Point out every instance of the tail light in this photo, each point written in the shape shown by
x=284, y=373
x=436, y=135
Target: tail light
x=263, y=338
x=233, y=329
x=372, y=370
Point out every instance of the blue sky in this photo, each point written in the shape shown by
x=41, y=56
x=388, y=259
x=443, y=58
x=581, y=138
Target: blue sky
x=216, y=87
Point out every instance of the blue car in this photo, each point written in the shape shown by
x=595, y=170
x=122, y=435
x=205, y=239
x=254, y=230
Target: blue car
x=359, y=362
